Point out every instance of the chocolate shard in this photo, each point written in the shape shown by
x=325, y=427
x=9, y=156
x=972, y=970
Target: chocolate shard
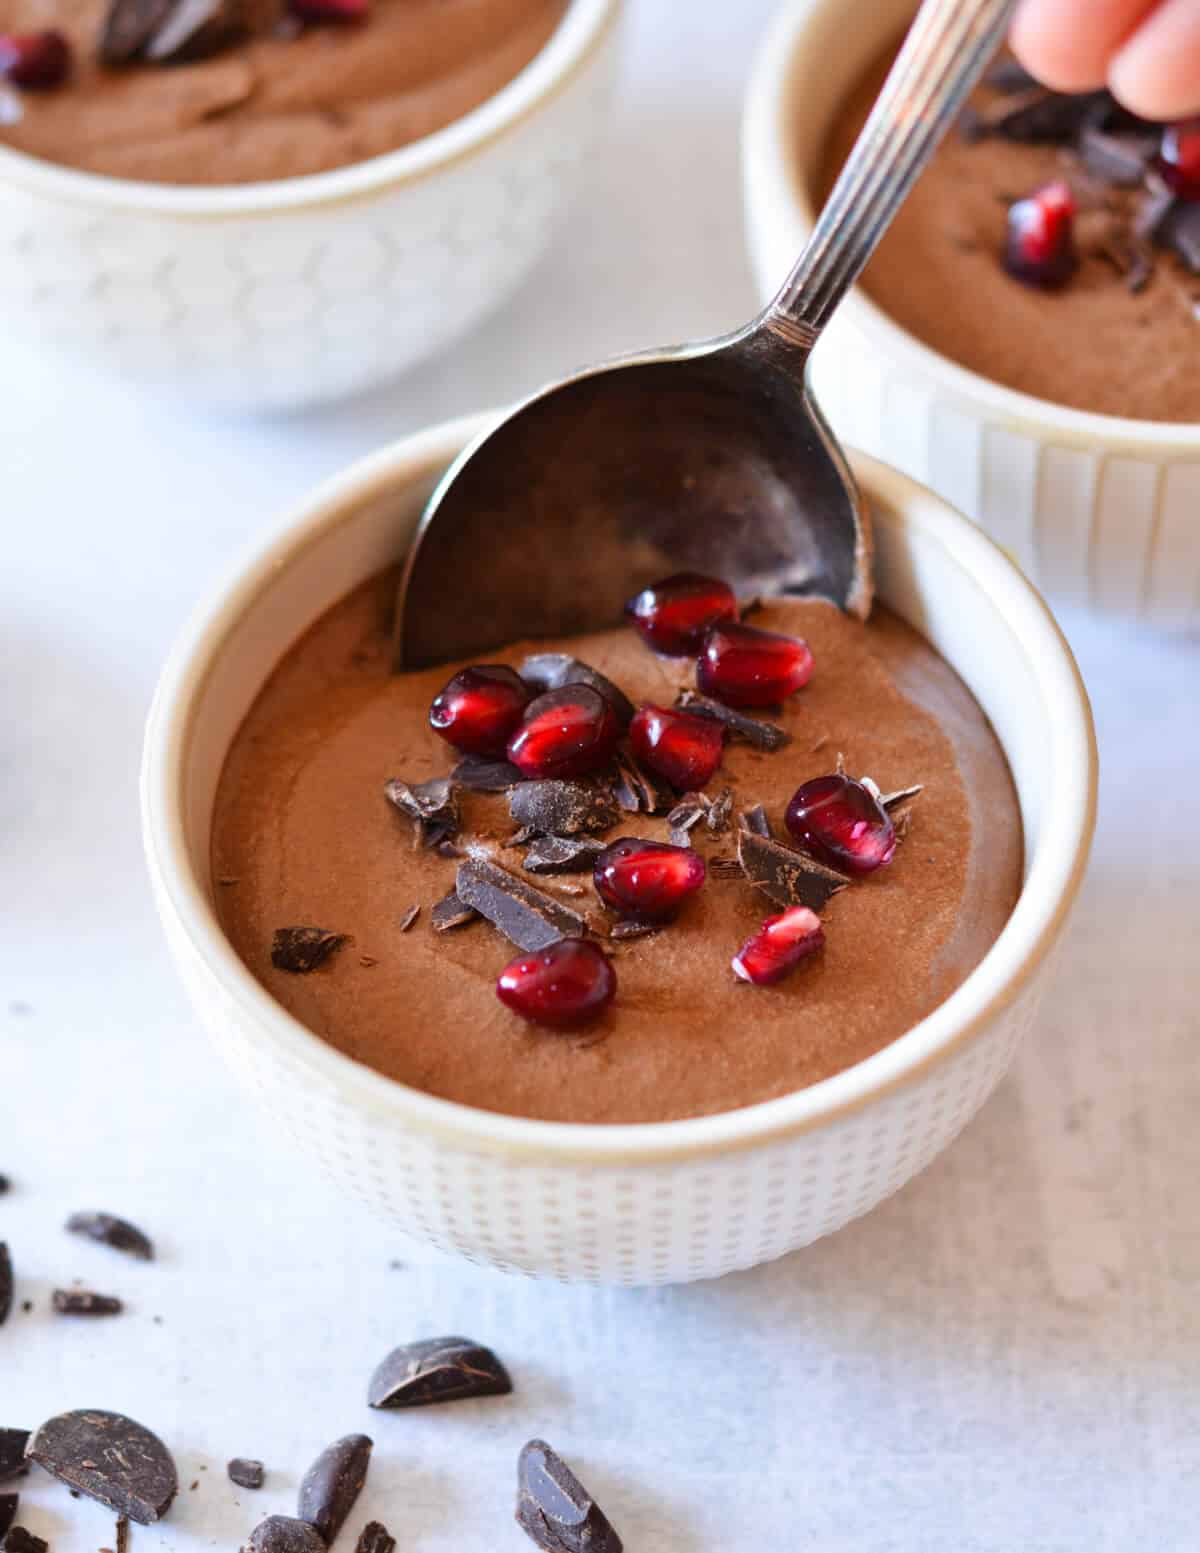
x=8, y=1512
x=689, y=811
x=85, y=1302
x=1041, y=117
x=410, y=916
x=555, y=1510
x=901, y=795
x=1154, y=213
x=719, y=810
x=108, y=1230
x=333, y=1482
x=1181, y=233
x=562, y=854
x=529, y=918
x=1120, y=160
x=725, y=868
x=762, y=735
x=755, y=821
x=285, y=1534
x=479, y=775
x=451, y=912
x=1009, y=75
x=437, y=1369
x=786, y=877
x=110, y=1458
x=18, y=1540
x=194, y=29
x=246, y=1472
x=13, y=1444
x=631, y=927
x=7, y=1282
x=432, y=806
x=128, y=27
x=375, y=1538
x=553, y=808
x=302, y=949
x=552, y=670
x=638, y=791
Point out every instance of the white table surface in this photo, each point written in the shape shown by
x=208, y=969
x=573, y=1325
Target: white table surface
x=1003, y=1357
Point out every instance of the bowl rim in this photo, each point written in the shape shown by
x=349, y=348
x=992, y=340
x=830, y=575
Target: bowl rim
x=776, y=190
x=1054, y=874
x=583, y=27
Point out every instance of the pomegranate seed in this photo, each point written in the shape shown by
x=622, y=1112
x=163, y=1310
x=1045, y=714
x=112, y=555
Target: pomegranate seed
x=329, y=10
x=779, y=946
x=840, y=822
x=566, y=733
x=673, y=615
x=744, y=666
x=480, y=708
x=680, y=747
x=648, y=880
x=563, y=986
x=38, y=61
x=1178, y=158
x=1041, y=237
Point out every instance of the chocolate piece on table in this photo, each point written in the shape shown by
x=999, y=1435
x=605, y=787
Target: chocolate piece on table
x=762, y=735
x=375, y=1538
x=531, y=919
x=788, y=878
x=128, y=27
x=451, y=912
x=333, y=1482
x=12, y=1453
x=18, y=1540
x=302, y=949
x=246, y=1472
x=8, y=1512
x=85, y=1302
x=562, y=854
x=6, y=1282
x=437, y=1369
x=555, y=808
x=478, y=774
x=110, y=1458
x=554, y=1508
x=552, y=670
x=194, y=29
x=285, y=1534
x=108, y=1230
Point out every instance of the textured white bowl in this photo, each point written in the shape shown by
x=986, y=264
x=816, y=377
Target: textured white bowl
x=629, y=1204
x=269, y=296
x=1098, y=510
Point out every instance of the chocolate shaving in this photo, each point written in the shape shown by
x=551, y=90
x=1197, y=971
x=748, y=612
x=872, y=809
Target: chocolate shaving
x=410, y=916
x=432, y=806
x=1181, y=233
x=246, y=1472
x=529, y=918
x=12, y=1453
x=479, y=775
x=788, y=878
x=108, y=1230
x=8, y=1512
x=84, y=1302
x=438, y=1369
x=762, y=735
x=901, y=795
x=331, y=1485
x=110, y=1458
x=194, y=29
x=1119, y=160
x=552, y=670
x=689, y=811
x=631, y=927
x=637, y=791
x=18, y=1540
x=302, y=949
x=1042, y=117
x=375, y=1538
x=554, y=1508
x=1009, y=75
x=285, y=1534
x=719, y=810
x=1154, y=211
x=450, y=912
x=6, y=1284
x=754, y=819
x=554, y=808
x=128, y=27
x=562, y=854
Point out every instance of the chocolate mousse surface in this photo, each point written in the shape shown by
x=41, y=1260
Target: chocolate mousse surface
x=281, y=101
x=1093, y=345
x=303, y=834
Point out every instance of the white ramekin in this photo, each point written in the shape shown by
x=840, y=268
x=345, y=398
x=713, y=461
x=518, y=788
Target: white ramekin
x=274, y=295
x=629, y=1204
x=1098, y=510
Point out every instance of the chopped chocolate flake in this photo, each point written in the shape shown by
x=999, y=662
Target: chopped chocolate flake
x=786, y=877
x=719, y=810
x=123, y=1534
x=12, y=1453
x=18, y=1540
x=1009, y=75
x=437, y=1369
x=128, y=27
x=432, y=806
x=375, y=1538
x=479, y=775
x=227, y=879
x=554, y=1508
x=631, y=927
x=1042, y=117
x=285, y=1534
x=367, y=961
x=689, y=811
x=333, y=1482
x=451, y=912
x=754, y=819
x=529, y=918
x=302, y=949
x=5, y=1185
x=108, y=1230
x=246, y=1472
x=8, y=1512
x=762, y=735
x=638, y=791
x=725, y=868
x=1120, y=160
x=1181, y=233
x=901, y=795
x=562, y=854
x=110, y=1458
x=410, y=916
x=553, y=808
x=6, y=1282
x=194, y=29
x=1154, y=211
x=552, y=670
x=84, y=1302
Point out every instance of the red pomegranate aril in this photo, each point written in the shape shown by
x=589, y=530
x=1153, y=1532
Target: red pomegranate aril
x=841, y=823
x=565, y=733
x=479, y=709
x=1178, y=159
x=674, y=614
x=329, y=10
x=647, y=880
x=683, y=749
x=568, y=984
x=779, y=946
x=1040, y=248
x=744, y=666
x=37, y=61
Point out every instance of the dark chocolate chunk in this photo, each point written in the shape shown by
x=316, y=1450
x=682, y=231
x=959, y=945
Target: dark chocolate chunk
x=432, y=805
x=410, y=916
x=18, y=1540
x=8, y=1512
x=552, y=670
x=553, y=808
x=12, y=1452
x=437, y=1369
x=755, y=821
x=763, y=736
x=630, y=927
x=901, y=795
x=725, y=868
x=1181, y=233
x=85, y=1302
x=450, y=912
x=554, y=1508
x=110, y=1458
x=788, y=878
x=562, y=854
x=1154, y=212
x=285, y=1534
x=246, y=1472
x=480, y=775
x=333, y=1482
x=1041, y=117
x=302, y=949
x=128, y=27
x=194, y=29
x=1120, y=160
x=6, y=1282
x=120, y=1234
x=5, y=1185
x=689, y=811
x=375, y=1538
x=529, y=918
x=719, y=810
x=637, y=791
x=1009, y=75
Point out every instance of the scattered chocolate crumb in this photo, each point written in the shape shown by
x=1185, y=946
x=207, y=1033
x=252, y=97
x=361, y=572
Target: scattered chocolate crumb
x=18, y=1540
x=368, y=960
x=84, y=1302
x=12, y=1453
x=6, y=1282
x=110, y=1458
x=375, y=1538
x=753, y=730
x=719, y=811
x=227, y=879
x=108, y=1230
x=552, y=670
x=630, y=927
x=333, y=1482
x=529, y=918
x=788, y=878
x=754, y=819
x=193, y=1486
x=554, y=808
x=246, y=1472
x=437, y=1369
x=8, y=1512
x=451, y=912
x=562, y=854
x=302, y=949
x=555, y=1510
x=903, y=824
x=479, y=775
x=410, y=916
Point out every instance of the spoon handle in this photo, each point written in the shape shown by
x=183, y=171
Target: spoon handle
x=943, y=56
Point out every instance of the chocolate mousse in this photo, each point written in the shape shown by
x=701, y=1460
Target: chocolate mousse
x=569, y=883
x=1052, y=245
x=218, y=92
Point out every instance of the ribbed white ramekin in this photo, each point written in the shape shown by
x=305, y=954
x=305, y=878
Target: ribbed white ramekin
x=1097, y=509
x=629, y=1204
x=274, y=295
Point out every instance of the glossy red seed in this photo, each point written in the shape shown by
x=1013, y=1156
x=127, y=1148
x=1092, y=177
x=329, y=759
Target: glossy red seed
x=37, y=61
x=779, y=946
x=566, y=985
x=565, y=733
x=1178, y=159
x=674, y=614
x=683, y=749
x=330, y=10
x=479, y=708
x=1040, y=248
x=744, y=666
x=648, y=880
x=840, y=822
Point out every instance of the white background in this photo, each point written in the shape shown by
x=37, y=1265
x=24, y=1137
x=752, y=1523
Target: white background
x=1004, y=1357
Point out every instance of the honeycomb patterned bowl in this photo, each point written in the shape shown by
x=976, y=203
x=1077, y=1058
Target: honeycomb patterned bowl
x=1099, y=511
x=271, y=296
x=637, y=1204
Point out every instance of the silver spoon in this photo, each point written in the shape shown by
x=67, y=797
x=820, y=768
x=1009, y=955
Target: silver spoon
x=707, y=457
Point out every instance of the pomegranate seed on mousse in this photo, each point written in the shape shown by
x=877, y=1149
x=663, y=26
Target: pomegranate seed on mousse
x=842, y=824
x=683, y=749
x=565, y=733
x=744, y=666
x=36, y=61
x=1040, y=249
x=566, y=985
x=480, y=708
x=674, y=614
x=779, y=946
x=647, y=880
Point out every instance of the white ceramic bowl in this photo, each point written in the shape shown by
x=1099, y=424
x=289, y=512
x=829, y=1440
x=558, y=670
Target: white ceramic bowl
x=270, y=296
x=625, y=1204
x=1097, y=509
